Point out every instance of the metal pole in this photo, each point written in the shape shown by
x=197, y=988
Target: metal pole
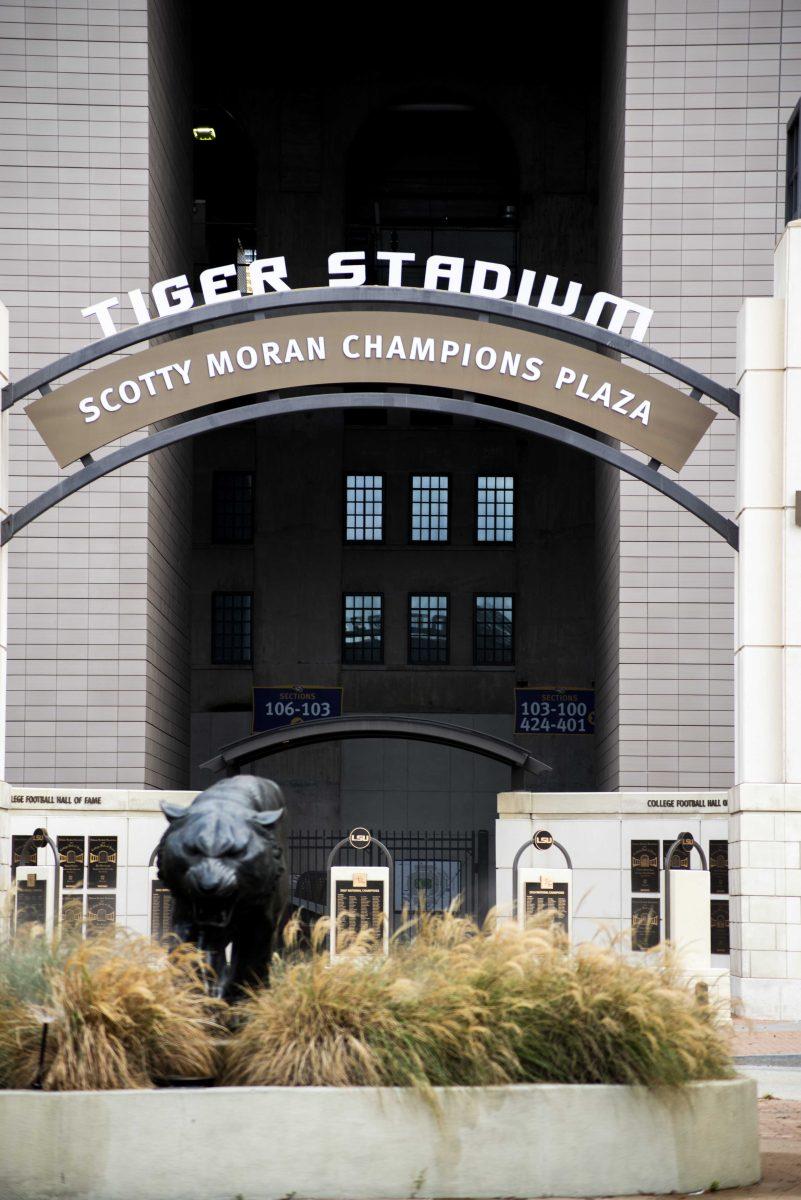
x=38, y=1083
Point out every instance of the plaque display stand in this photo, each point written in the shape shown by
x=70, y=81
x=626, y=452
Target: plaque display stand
x=364, y=892
x=33, y=903
x=537, y=890
x=688, y=924
x=36, y=900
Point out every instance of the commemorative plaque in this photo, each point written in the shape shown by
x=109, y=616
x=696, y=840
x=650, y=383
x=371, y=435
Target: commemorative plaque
x=102, y=862
x=71, y=856
x=544, y=890
x=359, y=900
x=644, y=923
x=645, y=866
x=72, y=912
x=681, y=855
x=719, y=924
x=547, y=896
x=161, y=910
x=362, y=899
x=101, y=912
x=31, y=900
x=719, y=868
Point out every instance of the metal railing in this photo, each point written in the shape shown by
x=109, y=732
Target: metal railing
x=432, y=868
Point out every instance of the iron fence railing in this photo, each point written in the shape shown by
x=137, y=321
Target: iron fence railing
x=432, y=868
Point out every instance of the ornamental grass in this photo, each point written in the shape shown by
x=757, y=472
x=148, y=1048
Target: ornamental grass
x=122, y=1012
x=459, y=1005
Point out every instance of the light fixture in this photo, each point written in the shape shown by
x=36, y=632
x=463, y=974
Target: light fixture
x=243, y=260
x=204, y=133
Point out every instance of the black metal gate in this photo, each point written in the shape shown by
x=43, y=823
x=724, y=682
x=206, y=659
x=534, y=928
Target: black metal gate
x=432, y=868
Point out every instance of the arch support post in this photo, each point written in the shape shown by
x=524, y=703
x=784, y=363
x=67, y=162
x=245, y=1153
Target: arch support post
x=765, y=804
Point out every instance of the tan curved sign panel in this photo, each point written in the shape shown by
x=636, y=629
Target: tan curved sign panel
x=362, y=349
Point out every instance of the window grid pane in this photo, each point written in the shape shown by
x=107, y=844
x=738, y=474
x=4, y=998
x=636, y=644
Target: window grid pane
x=233, y=506
x=495, y=508
x=364, y=508
x=231, y=627
x=429, y=508
x=494, y=631
x=363, y=630
x=428, y=629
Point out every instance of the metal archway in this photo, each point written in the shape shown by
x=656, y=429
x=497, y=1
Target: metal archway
x=97, y=468
x=366, y=298
x=312, y=299
x=233, y=757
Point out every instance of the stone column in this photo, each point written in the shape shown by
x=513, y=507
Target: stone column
x=765, y=805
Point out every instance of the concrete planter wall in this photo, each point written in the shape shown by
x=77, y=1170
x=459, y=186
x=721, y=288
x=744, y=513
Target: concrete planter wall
x=363, y=1143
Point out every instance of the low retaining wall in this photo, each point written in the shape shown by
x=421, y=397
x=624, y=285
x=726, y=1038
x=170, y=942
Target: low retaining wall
x=363, y=1143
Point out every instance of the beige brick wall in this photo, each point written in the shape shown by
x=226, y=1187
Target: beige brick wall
x=90, y=660
x=703, y=204
x=169, y=471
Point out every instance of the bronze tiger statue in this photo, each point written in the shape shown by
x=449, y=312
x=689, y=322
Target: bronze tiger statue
x=222, y=858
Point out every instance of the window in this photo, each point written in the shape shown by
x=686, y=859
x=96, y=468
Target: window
x=232, y=627
x=495, y=508
x=232, y=506
x=428, y=629
x=363, y=629
x=792, y=208
x=364, y=508
x=494, y=631
x=429, y=508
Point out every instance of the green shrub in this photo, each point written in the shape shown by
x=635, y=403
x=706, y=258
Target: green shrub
x=463, y=1006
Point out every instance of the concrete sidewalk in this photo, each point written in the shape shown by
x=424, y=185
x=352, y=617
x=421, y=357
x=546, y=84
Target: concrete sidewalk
x=777, y=1080
x=765, y=1037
